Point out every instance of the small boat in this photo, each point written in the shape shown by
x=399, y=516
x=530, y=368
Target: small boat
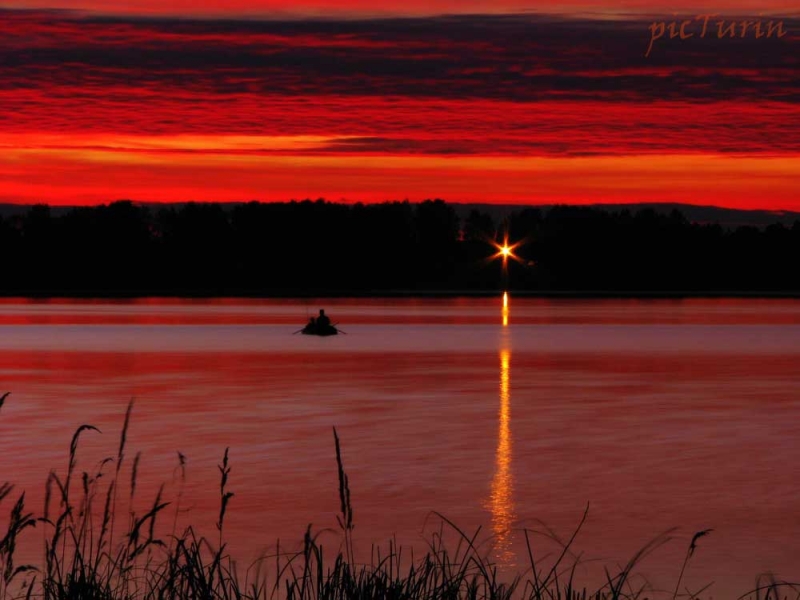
x=320, y=326
x=322, y=331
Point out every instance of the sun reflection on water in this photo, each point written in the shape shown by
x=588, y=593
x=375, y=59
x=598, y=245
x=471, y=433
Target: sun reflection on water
x=501, y=503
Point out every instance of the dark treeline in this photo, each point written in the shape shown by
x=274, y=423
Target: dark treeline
x=319, y=247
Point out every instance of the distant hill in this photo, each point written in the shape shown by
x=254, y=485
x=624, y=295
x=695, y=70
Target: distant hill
x=726, y=217
x=12, y=210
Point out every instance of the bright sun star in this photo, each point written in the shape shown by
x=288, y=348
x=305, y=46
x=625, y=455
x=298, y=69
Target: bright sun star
x=505, y=250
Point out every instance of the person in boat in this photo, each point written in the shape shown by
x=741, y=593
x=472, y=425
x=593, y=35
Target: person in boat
x=320, y=325
x=323, y=322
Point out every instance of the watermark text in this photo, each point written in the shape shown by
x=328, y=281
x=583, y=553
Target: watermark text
x=714, y=27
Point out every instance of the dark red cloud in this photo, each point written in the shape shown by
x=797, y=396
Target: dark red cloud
x=104, y=90
x=267, y=8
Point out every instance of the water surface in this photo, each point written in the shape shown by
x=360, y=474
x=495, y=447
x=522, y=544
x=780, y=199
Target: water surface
x=654, y=413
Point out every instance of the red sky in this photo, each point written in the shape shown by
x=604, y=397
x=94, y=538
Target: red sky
x=228, y=8
x=486, y=108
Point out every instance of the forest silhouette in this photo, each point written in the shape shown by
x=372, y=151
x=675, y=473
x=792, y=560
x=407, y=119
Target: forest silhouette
x=317, y=247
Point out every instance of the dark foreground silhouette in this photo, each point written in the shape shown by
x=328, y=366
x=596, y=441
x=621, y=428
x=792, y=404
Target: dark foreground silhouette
x=128, y=553
x=317, y=248
x=320, y=326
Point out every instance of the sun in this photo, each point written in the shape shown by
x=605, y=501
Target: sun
x=505, y=251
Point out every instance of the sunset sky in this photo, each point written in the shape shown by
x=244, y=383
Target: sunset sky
x=359, y=100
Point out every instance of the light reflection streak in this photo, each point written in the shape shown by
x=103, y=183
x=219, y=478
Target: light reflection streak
x=501, y=502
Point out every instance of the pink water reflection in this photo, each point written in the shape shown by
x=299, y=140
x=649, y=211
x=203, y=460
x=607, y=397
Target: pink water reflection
x=659, y=414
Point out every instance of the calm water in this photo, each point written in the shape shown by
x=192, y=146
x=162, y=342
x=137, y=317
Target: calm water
x=655, y=413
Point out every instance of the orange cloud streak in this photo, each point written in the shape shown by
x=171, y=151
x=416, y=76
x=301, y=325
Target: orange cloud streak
x=99, y=175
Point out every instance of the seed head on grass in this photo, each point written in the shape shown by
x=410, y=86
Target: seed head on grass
x=123, y=438
x=689, y=554
x=224, y=470
x=18, y=521
x=696, y=537
x=182, y=465
x=135, y=474
x=5, y=490
x=73, y=451
x=182, y=469
x=346, y=520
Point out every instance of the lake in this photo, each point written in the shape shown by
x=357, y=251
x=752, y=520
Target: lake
x=654, y=413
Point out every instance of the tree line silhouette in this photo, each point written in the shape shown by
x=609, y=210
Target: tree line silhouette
x=319, y=247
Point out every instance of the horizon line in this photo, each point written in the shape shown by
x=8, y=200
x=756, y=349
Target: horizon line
x=345, y=202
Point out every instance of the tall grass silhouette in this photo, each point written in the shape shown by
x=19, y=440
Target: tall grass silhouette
x=86, y=558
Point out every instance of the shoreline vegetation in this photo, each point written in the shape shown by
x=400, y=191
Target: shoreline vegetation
x=300, y=249
x=56, y=295
x=86, y=557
